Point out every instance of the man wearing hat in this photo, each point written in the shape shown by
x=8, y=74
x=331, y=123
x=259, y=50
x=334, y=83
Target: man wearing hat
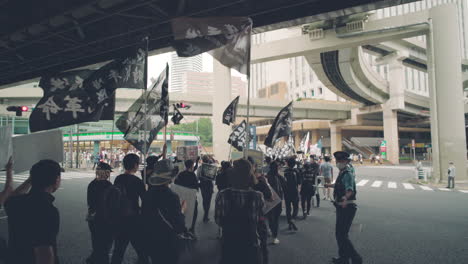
x=101, y=233
x=163, y=214
x=345, y=202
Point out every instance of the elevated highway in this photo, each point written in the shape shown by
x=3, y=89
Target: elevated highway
x=201, y=104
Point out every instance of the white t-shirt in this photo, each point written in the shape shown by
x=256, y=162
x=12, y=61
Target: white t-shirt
x=451, y=171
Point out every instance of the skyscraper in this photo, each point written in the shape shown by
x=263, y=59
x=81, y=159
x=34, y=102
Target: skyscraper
x=179, y=67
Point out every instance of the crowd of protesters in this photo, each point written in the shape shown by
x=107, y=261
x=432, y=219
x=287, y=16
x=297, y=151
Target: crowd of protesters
x=156, y=227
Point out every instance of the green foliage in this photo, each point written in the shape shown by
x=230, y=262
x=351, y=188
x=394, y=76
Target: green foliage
x=205, y=130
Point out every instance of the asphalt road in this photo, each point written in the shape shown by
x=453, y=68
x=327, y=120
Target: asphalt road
x=394, y=224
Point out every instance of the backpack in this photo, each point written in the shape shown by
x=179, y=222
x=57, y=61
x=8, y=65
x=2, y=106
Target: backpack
x=114, y=205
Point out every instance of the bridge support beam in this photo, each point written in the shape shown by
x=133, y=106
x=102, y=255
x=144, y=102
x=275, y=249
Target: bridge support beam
x=446, y=93
x=390, y=122
x=336, y=138
x=221, y=99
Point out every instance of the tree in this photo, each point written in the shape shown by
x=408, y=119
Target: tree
x=205, y=130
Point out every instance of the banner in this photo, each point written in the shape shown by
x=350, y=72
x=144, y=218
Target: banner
x=227, y=37
x=31, y=148
x=281, y=127
x=133, y=122
x=229, y=115
x=86, y=95
x=238, y=136
x=177, y=117
x=187, y=153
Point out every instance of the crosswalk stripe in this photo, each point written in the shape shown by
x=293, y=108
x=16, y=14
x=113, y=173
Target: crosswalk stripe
x=464, y=191
x=408, y=186
x=392, y=185
x=362, y=182
x=376, y=184
x=445, y=189
x=425, y=188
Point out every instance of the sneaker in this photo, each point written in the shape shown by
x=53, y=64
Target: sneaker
x=276, y=241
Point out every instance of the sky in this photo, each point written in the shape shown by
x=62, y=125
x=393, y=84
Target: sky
x=156, y=64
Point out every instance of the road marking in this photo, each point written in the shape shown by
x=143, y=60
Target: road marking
x=376, y=184
x=425, y=188
x=464, y=191
x=392, y=185
x=362, y=182
x=408, y=186
x=445, y=189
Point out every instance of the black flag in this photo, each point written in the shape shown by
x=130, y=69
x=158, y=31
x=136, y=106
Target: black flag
x=133, y=122
x=281, y=127
x=229, y=115
x=177, y=116
x=238, y=136
x=228, y=37
x=86, y=95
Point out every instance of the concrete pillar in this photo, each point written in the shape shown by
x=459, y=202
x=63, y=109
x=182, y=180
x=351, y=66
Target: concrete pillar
x=297, y=139
x=221, y=99
x=397, y=83
x=314, y=136
x=336, y=139
x=446, y=94
x=390, y=121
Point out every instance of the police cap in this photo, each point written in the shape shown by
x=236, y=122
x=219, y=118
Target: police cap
x=341, y=155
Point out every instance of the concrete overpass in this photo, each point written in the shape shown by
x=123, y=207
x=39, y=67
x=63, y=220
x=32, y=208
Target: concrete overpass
x=335, y=54
x=201, y=105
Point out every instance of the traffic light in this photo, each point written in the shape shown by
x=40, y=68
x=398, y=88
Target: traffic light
x=183, y=105
x=18, y=109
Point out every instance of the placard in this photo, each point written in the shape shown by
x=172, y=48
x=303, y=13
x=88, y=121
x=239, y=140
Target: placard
x=209, y=171
x=275, y=200
x=31, y=148
x=189, y=196
x=5, y=145
x=187, y=152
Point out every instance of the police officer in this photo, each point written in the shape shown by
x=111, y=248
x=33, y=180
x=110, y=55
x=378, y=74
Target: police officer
x=345, y=202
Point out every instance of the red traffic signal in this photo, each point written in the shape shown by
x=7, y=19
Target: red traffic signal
x=183, y=105
x=18, y=109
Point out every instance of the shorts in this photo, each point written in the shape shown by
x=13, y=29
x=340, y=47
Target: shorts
x=327, y=179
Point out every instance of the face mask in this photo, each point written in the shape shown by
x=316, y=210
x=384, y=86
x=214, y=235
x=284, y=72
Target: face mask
x=341, y=166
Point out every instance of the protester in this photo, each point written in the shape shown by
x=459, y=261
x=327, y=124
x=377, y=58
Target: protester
x=7, y=190
x=451, y=175
x=278, y=184
x=163, y=216
x=263, y=187
x=129, y=228
x=33, y=220
x=315, y=170
x=8, y=187
x=188, y=179
x=238, y=211
x=266, y=166
x=206, y=188
x=345, y=203
x=222, y=181
x=101, y=230
x=326, y=170
x=307, y=188
x=291, y=193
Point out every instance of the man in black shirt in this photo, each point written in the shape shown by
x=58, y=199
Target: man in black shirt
x=33, y=220
x=163, y=215
x=206, y=188
x=291, y=193
x=129, y=229
x=101, y=232
x=188, y=179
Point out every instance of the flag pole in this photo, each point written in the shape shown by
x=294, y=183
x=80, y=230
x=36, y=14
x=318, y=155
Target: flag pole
x=247, y=127
x=145, y=79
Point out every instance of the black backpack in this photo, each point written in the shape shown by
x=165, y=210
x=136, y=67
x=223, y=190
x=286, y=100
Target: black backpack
x=114, y=205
